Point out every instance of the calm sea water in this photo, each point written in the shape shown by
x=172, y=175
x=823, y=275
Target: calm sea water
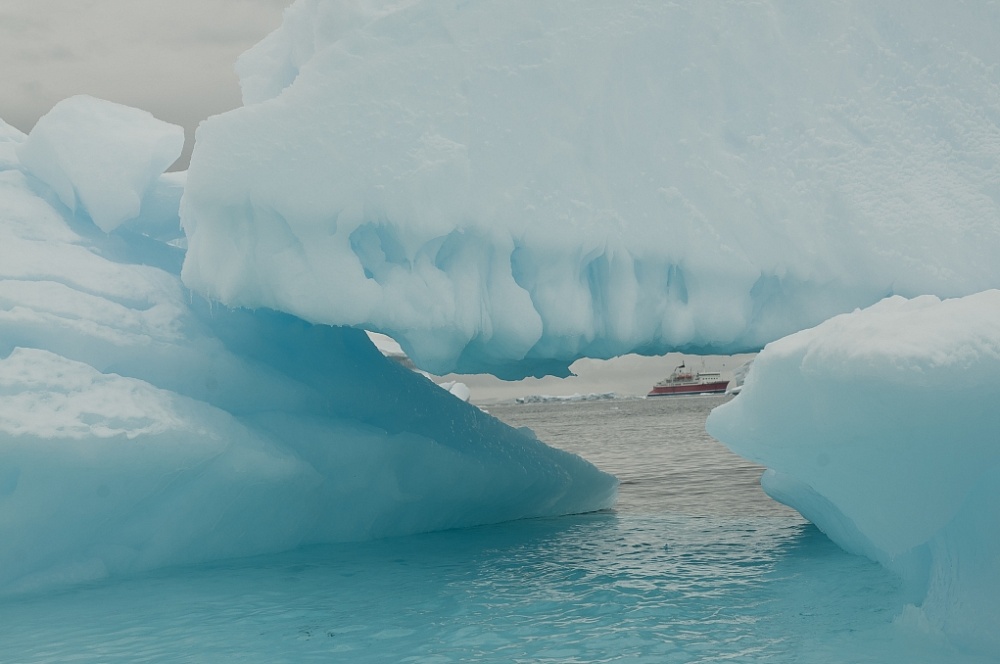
x=694, y=565
x=659, y=450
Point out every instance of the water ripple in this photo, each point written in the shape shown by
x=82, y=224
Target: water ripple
x=695, y=565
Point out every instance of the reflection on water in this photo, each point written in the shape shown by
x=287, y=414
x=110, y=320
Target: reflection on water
x=659, y=450
x=589, y=588
x=695, y=565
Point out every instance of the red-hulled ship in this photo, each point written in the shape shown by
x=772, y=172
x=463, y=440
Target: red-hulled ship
x=684, y=381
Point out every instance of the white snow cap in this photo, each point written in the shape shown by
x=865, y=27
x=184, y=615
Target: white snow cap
x=510, y=185
x=100, y=156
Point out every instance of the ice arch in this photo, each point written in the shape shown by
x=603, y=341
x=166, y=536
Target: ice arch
x=507, y=186
x=502, y=186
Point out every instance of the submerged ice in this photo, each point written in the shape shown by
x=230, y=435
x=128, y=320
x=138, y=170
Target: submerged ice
x=508, y=186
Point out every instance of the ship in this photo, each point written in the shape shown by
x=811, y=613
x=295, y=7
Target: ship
x=684, y=381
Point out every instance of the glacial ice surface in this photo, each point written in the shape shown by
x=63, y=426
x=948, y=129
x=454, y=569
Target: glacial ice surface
x=100, y=156
x=141, y=426
x=506, y=186
x=881, y=427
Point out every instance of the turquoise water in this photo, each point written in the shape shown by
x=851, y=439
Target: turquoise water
x=695, y=565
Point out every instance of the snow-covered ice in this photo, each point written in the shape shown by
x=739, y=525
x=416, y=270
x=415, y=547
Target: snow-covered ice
x=142, y=426
x=508, y=186
x=881, y=427
x=100, y=156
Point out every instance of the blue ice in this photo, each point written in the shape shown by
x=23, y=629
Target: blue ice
x=183, y=370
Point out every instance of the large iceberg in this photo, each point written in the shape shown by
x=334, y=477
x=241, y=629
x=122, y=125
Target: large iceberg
x=143, y=426
x=881, y=426
x=506, y=186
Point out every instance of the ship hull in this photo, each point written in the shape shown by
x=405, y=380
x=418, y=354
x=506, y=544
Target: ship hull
x=718, y=387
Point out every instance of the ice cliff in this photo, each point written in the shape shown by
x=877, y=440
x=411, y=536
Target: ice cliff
x=508, y=186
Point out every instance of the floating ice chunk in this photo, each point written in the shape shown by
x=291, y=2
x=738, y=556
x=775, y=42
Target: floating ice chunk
x=99, y=156
x=457, y=389
x=881, y=427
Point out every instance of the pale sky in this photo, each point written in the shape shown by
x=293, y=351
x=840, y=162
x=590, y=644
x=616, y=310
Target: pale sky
x=173, y=58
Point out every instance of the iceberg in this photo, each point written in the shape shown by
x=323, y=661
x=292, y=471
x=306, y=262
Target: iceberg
x=142, y=426
x=509, y=186
x=506, y=187
x=880, y=426
x=100, y=156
